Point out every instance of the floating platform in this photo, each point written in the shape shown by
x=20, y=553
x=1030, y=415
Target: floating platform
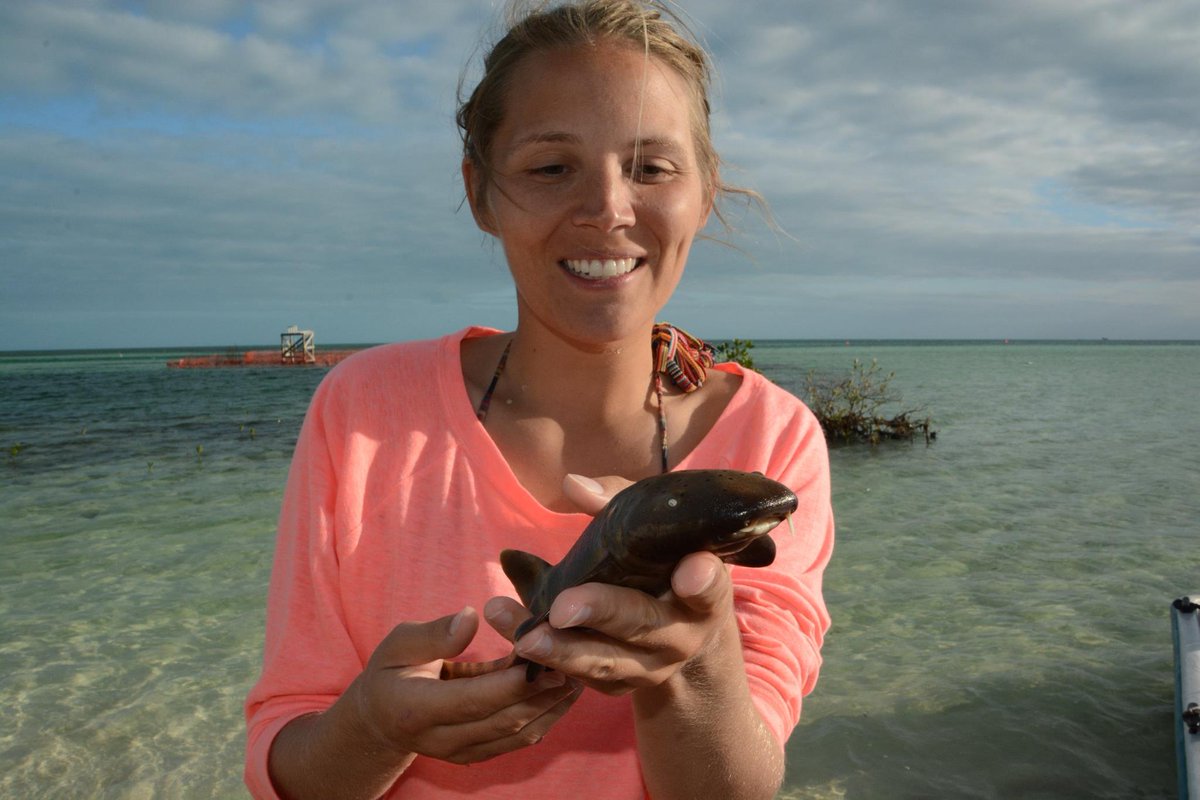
x=258, y=358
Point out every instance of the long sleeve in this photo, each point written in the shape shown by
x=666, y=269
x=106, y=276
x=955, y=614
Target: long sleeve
x=308, y=657
x=781, y=612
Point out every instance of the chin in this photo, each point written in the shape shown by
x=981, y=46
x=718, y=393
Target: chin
x=601, y=335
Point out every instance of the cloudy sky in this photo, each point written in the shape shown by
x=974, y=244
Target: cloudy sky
x=209, y=172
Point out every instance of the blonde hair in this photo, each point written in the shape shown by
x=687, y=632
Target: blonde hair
x=649, y=25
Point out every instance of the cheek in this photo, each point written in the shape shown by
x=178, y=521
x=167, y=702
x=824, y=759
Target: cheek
x=681, y=214
x=529, y=202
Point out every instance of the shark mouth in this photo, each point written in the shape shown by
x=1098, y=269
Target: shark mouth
x=739, y=540
x=761, y=526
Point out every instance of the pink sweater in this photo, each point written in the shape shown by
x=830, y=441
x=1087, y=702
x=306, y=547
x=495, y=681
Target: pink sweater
x=396, y=509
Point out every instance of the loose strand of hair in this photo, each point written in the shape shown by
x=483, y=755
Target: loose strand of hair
x=635, y=167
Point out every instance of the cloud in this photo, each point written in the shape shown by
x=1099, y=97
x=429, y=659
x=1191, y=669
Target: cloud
x=362, y=61
x=929, y=131
x=964, y=165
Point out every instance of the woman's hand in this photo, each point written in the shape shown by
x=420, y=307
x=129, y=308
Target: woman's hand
x=399, y=708
x=405, y=707
x=698, y=733
x=616, y=639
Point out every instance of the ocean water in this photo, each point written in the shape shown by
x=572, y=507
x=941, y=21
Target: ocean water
x=999, y=597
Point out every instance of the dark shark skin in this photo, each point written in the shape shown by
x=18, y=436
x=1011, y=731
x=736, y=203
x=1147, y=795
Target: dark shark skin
x=640, y=536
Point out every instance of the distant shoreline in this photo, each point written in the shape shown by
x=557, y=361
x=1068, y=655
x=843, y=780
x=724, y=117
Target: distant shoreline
x=185, y=351
x=257, y=358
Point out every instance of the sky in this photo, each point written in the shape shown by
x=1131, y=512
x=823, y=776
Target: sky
x=210, y=172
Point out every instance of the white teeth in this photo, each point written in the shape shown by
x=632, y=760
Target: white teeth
x=596, y=269
x=760, y=527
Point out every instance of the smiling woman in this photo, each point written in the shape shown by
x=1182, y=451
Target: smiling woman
x=596, y=220
x=586, y=153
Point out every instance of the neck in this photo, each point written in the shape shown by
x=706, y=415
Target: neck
x=571, y=380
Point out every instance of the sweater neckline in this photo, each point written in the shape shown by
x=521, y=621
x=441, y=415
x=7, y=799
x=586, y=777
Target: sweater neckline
x=490, y=462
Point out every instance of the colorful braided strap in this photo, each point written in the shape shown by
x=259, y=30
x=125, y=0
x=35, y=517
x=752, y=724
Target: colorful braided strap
x=683, y=357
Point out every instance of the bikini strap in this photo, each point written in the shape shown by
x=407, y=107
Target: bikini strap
x=482, y=412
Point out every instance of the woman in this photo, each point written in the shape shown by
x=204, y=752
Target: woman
x=587, y=155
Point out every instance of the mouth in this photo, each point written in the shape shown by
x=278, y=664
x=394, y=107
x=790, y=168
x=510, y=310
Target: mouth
x=740, y=539
x=759, y=527
x=598, y=269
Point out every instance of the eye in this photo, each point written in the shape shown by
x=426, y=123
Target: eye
x=549, y=171
x=672, y=502
x=653, y=172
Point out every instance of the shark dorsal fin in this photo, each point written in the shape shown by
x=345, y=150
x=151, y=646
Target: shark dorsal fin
x=525, y=570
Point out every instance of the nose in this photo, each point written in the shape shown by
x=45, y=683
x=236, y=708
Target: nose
x=605, y=200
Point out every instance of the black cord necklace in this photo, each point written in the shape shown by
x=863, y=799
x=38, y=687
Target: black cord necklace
x=680, y=355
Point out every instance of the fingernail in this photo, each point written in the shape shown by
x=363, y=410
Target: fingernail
x=587, y=483
x=550, y=680
x=534, y=645
x=454, y=623
x=498, y=615
x=580, y=615
x=702, y=582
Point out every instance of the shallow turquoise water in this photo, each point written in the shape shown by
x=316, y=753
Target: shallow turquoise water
x=999, y=598
x=134, y=570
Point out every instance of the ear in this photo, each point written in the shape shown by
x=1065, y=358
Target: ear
x=471, y=182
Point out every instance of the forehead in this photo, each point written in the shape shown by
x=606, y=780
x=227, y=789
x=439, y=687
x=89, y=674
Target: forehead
x=597, y=91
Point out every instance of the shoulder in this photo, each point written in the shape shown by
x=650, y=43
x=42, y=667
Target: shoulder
x=768, y=429
x=401, y=366
x=761, y=398
x=385, y=377
x=382, y=360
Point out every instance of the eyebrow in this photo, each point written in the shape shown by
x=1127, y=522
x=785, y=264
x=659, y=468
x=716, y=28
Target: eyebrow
x=561, y=137
x=546, y=137
x=662, y=143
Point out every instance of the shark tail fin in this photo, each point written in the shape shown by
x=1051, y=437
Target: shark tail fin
x=525, y=570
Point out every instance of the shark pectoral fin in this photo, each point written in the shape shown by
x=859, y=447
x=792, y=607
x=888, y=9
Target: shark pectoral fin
x=525, y=570
x=758, y=553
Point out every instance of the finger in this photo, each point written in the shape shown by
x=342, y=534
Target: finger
x=613, y=638
x=505, y=614
x=520, y=725
x=622, y=613
x=701, y=582
x=601, y=662
x=473, y=699
x=415, y=643
x=592, y=494
x=617, y=638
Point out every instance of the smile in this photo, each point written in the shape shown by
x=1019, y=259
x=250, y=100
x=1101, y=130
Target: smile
x=597, y=269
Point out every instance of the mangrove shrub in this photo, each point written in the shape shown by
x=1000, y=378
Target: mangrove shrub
x=850, y=408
